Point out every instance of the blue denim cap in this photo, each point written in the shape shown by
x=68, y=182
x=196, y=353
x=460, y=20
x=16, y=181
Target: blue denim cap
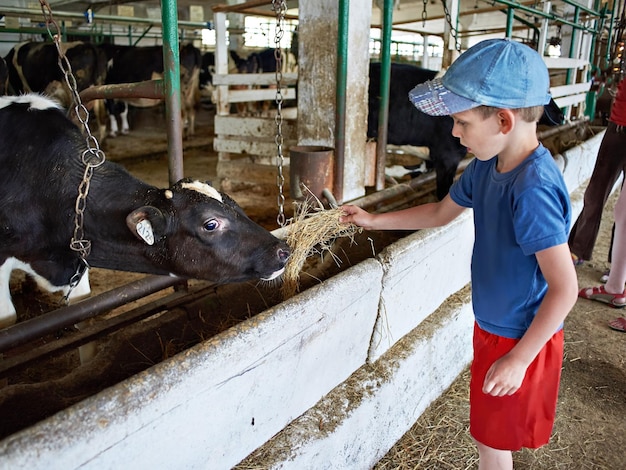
x=496, y=72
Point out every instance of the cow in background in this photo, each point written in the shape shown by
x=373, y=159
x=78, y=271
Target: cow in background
x=207, y=70
x=409, y=127
x=34, y=67
x=256, y=62
x=262, y=62
x=129, y=64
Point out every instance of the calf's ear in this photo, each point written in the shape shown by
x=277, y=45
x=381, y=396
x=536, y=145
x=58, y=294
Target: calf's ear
x=147, y=223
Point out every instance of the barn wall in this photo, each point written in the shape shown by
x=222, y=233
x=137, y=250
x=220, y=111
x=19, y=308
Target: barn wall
x=329, y=379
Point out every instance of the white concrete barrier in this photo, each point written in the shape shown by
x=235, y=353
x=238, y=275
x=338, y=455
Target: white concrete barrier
x=331, y=378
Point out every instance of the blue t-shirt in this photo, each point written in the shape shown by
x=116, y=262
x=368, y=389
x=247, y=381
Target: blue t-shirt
x=516, y=214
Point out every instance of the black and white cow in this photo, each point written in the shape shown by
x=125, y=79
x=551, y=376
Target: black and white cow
x=263, y=61
x=207, y=70
x=34, y=67
x=128, y=64
x=408, y=126
x=190, y=230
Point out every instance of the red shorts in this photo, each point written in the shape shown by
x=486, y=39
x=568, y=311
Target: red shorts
x=526, y=418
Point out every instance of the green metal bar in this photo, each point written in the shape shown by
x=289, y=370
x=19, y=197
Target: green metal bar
x=568, y=75
x=510, y=13
x=543, y=14
x=341, y=87
x=142, y=35
x=171, y=71
x=582, y=8
x=509, y=21
x=383, y=110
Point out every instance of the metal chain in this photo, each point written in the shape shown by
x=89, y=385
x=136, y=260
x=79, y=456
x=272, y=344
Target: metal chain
x=453, y=30
x=424, y=14
x=280, y=8
x=92, y=157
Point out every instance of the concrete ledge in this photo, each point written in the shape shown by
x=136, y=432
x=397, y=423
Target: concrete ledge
x=579, y=162
x=356, y=423
x=421, y=272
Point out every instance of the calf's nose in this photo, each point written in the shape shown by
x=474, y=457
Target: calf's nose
x=283, y=254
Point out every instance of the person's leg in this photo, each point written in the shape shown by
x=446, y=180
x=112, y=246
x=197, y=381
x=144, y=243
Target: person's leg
x=609, y=165
x=617, y=276
x=613, y=292
x=493, y=459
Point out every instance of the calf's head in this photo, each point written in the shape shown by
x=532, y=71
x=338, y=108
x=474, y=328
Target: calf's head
x=198, y=232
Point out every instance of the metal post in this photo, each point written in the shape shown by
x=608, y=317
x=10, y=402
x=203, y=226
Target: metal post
x=171, y=64
x=383, y=110
x=509, y=22
x=340, y=110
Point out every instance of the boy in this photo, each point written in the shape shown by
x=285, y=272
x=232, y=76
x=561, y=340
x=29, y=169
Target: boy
x=523, y=280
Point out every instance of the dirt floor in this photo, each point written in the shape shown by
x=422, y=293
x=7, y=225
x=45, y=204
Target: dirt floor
x=590, y=429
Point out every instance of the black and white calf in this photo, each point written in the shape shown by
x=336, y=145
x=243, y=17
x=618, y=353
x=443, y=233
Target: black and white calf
x=190, y=230
x=34, y=67
x=130, y=64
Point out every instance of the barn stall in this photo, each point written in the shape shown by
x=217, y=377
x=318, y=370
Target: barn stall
x=311, y=380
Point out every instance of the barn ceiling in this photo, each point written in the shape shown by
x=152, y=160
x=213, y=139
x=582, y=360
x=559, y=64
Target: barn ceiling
x=420, y=16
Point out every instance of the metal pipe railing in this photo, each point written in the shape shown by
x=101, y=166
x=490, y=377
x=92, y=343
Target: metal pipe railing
x=34, y=328
x=383, y=109
x=340, y=93
x=171, y=72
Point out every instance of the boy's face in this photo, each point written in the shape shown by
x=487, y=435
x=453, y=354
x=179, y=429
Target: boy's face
x=480, y=135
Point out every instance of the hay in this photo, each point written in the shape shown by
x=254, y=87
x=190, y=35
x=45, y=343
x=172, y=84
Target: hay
x=312, y=231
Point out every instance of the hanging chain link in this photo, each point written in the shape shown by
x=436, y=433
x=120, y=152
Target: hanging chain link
x=424, y=14
x=280, y=8
x=92, y=157
x=453, y=30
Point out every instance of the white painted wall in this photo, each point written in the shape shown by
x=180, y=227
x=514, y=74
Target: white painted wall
x=335, y=375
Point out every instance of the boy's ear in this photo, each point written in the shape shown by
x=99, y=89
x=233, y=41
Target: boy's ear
x=506, y=118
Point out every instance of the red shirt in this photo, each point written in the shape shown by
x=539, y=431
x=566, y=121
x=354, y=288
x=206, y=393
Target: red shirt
x=618, y=109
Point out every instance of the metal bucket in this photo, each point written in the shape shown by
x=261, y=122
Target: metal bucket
x=310, y=166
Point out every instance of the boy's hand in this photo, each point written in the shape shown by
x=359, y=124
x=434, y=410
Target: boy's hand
x=504, y=377
x=357, y=216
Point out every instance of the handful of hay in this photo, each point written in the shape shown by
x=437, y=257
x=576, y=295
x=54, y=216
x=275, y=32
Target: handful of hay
x=311, y=231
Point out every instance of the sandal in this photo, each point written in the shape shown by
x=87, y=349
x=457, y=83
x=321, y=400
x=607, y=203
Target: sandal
x=601, y=295
x=619, y=324
x=576, y=260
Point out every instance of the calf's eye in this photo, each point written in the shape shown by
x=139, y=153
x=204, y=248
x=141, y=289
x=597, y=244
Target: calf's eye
x=210, y=225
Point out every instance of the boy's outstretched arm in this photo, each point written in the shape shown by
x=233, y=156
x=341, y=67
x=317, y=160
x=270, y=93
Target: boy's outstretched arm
x=506, y=374
x=433, y=214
